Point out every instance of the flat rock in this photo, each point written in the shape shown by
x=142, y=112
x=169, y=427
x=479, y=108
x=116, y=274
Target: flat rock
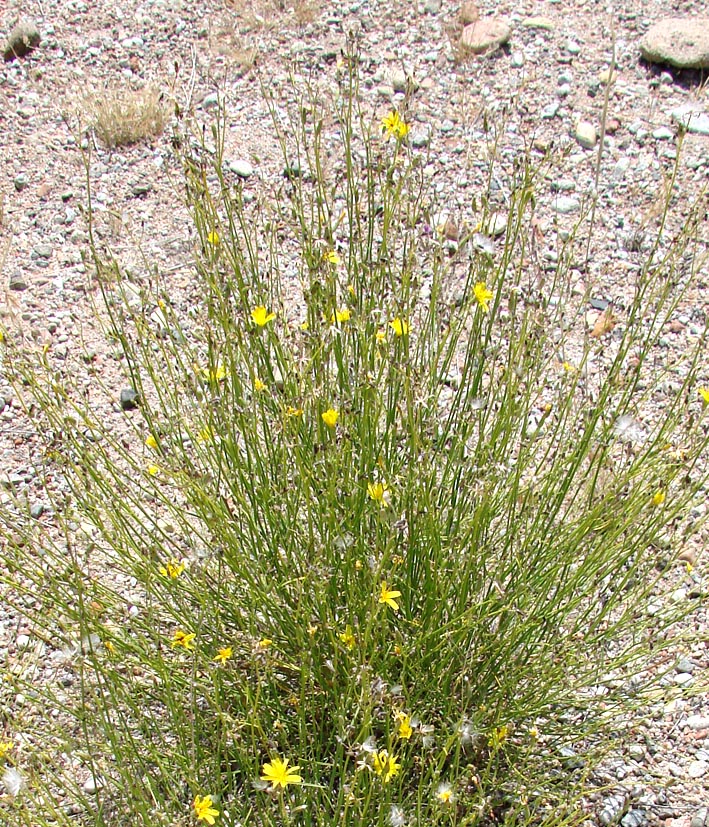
x=678, y=41
x=544, y=23
x=692, y=119
x=485, y=35
x=697, y=769
x=23, y=38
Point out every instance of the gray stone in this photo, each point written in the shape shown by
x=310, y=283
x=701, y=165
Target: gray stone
x=22, y=40
x=678, y=41
x=36, y=510
x=210, y=101
x=129, y=399
x=700, y=818
x=399, y=80
x=420, y=138
x=566, y=205
x=691, y=118
x=21, y=181
x=550, y=110
x=663, y=133
x=23, y=641
x=633, y=818
x=573, y=48
x=17, y=281
x=685, y=665
x=432, y=6
x=485, y=35
x=241, y=168
x=517, y=60
x=698, y=722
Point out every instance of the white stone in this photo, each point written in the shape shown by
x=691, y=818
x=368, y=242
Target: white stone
x=697, y=769
x=585, y=134
x=241, y=168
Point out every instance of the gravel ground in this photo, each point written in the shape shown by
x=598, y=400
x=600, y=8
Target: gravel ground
x=546, y=85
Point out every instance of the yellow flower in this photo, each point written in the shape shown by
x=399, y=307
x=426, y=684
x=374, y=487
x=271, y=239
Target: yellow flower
x=224, y=654
x=404, y=731
x=2, y=337
x=483, y=295
x=330, y=417
x=172, y=569
x=381, y=336
x=151, y=442
x=385, y=765
x=399, y=326
x=261, y=316
x=444, y=793
x=347, y=637
x=341, y=316
x=259, y=385
x=183, y=639
x=393, y=125
x=332, y=257
x=658, y=497
x=217, y=374
x=387, y=595
x=5, y=747
x=207, y=434
x=704, y=393
x=278, y=774
x=213, y=238
x=203, y=809
x=153, y=470
x=265, y=642
x=379, y=492
x=498, y=735
x=291, y=411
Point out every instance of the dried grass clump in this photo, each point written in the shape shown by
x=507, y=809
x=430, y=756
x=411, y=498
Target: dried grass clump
x=122, y=117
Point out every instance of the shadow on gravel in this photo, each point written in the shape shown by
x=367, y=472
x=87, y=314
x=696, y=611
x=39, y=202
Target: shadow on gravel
x=685, y=78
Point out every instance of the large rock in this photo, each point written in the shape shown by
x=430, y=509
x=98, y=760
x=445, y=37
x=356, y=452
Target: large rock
x=485, y=35
x=681, y=42
x=23, y=38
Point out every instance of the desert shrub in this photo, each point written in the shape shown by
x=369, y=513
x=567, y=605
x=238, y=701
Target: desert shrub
x=387, y=509
x=122, y=116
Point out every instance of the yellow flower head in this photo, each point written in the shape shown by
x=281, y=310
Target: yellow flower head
x=172, y=569
x=347, y=637
x=213, y=238
x=183, y=639
x=482, y=295
x=151, y=442
x=265, y=642
x=292, y=412
x=658, y=497
x=341, y=316
x=379, y=492
x=224, y=654
x=332, y=257
x=207, y=434
x=444, y=793
x=153, y=470
x=330, y=417
x=386, y=766
x=217, y=374
x=399, y=326
x=5, y=747
x=404, y=730
x=203, y=809
x=498, y=735
x=261, y=316
x=387, y=595
x=259, y=385
x=279, y=774
x=393, y=125
x=704, y=393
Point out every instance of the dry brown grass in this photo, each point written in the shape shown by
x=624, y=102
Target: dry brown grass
x=124, y=116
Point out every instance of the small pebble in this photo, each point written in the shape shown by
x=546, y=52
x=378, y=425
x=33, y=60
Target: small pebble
x=697, y=769
x=129, y=399
x=241, y=168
